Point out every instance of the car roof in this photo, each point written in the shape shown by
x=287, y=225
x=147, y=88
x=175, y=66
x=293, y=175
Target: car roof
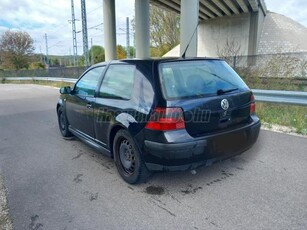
x=153, y=60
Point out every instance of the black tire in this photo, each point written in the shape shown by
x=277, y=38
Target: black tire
x=63, y=123
x=128, y=160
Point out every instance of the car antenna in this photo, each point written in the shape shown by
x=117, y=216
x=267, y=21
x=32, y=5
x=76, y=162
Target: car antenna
x=183, y=55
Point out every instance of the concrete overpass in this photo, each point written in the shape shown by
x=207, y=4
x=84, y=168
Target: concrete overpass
x=215, y=20
x=209, y=9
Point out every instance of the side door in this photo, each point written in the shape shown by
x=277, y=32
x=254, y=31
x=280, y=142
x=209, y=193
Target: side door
x=114, y=97
x=80, y=104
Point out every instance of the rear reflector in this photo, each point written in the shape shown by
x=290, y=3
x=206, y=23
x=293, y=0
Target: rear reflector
x=252, y=105
x=164, y=119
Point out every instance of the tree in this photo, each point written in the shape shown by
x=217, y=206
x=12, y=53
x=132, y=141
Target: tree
x=132, y=51
x=37, y=65
x=96, y=54
x=230, y=52
x=164, y=29
x=82, y=61
x=121, y=52
x=55, y=62
x=16, y=49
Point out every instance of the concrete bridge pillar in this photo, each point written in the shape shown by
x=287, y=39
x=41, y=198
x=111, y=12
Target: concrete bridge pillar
x=109, y=25
x=188, y=24
x=142, y=28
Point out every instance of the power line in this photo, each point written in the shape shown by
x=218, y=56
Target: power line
x=94, y=27
x=55, y=44
x=94, y=9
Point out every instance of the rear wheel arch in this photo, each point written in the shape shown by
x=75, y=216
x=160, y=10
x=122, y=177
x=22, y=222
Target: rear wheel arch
x=128, y=160
x=112, y=134
x=60, y=104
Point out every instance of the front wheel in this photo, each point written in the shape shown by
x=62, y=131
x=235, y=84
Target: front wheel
x=63, y=123
x=128, y=160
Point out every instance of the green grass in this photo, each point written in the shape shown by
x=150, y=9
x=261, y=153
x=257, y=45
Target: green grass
x=285, y=115
x=254, y=81
x=276, y=84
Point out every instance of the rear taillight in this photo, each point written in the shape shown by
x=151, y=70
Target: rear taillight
x=164, y=119
x=252, y=105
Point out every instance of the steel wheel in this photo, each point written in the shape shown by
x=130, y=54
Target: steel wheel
x=126, y=156
x=128, y=159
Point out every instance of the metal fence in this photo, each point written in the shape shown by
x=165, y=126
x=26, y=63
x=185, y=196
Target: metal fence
x=56, y=79
x=66, y=72
x=283, y=65
x=280, y=96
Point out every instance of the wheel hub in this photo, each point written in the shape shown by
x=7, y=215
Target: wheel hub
x=126, y=156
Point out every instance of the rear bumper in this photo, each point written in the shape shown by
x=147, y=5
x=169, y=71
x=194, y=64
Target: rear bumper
x=195, y=152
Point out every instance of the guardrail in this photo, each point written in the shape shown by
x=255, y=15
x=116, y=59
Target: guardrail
x=71, y=80
x=281, y=96
x=273, y=96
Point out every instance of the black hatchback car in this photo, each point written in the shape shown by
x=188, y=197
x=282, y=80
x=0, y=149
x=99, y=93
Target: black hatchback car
x=160, y=114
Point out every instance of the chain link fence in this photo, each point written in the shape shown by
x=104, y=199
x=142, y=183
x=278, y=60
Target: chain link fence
x=66, y=72
x=273, y=65
x=266, y=65
x=284, y=71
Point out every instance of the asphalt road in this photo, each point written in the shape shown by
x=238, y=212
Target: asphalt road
x=58, y=184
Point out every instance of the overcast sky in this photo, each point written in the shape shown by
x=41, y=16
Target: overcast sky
x=52, y=17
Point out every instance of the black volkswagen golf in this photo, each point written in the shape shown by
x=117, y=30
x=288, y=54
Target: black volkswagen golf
x=160, y=114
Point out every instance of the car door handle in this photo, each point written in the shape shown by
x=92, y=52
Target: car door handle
x=89, y=105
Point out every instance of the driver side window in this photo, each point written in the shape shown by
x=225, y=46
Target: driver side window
x=86, y=86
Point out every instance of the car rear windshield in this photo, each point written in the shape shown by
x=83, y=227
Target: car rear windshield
x=198, y=78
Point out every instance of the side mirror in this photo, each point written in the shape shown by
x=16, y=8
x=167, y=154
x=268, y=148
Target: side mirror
x=65, y=90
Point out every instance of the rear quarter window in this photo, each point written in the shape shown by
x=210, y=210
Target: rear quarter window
x=118, y=82
x=184, y=79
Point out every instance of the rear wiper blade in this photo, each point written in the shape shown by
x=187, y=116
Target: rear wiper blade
x=222, y=91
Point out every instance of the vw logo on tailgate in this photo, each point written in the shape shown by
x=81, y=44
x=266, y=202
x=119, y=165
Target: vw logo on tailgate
x=225, y=104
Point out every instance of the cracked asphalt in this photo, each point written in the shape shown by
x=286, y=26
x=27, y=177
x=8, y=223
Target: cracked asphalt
x=62, y=184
